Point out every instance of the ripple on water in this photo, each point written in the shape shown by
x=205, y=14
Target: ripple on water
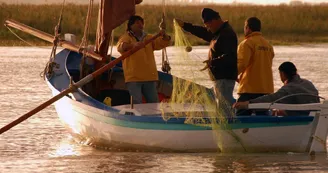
x=41, y=144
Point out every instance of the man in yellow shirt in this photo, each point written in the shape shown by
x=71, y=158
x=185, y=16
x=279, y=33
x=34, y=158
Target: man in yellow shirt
x=254, y=62
x=139, y=69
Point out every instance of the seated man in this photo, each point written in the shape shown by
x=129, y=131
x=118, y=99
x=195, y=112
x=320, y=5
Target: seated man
x=305, y=91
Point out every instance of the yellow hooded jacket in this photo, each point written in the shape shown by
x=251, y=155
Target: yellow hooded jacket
x=141, y=66
x=254, y=62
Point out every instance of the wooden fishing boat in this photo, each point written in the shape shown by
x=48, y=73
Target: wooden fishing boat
x=119, y=124
x=143, y=127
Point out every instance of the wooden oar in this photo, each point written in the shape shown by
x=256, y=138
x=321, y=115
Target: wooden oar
x=80, y=83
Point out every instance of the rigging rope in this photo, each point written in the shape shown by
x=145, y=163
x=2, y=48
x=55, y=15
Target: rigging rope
x=111, y=42
x=85, y=39
x=165, y=61
x=48, y=70
x=28, y=43
x=110, y=71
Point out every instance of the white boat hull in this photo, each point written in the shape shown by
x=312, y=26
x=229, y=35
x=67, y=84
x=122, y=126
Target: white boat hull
x=142, y=128
x=78, y=118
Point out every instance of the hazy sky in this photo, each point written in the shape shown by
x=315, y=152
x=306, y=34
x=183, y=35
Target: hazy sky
x=267, y=1
x=150, y=1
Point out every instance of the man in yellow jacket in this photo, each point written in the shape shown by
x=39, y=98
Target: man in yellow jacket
x=254, y=62
x=140, y=70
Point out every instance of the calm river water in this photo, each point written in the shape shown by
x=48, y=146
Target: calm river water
x=41, y=144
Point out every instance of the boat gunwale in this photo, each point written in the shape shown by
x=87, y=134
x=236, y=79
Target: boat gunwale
x=111, y=112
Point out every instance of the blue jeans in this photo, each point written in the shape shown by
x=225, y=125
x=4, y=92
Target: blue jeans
x=223, y=88
x=147, y=89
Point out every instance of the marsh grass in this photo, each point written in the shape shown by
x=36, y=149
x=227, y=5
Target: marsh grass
x=280, y=24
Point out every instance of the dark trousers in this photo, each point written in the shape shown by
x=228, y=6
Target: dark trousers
x=247, y=112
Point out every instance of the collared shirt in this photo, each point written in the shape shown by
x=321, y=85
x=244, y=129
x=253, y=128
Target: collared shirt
x=140, y=38
x=141, y=66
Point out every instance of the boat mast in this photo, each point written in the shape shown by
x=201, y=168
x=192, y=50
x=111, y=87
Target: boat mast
x=112, y=13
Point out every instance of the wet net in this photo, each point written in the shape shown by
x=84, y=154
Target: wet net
x=202, y=106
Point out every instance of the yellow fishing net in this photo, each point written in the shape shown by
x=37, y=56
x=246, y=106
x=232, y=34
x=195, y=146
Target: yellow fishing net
x=200, y=106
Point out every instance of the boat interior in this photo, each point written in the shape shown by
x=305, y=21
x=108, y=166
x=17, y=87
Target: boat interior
x=112, y=85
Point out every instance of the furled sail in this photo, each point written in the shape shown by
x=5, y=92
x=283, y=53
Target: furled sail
x=112, y=13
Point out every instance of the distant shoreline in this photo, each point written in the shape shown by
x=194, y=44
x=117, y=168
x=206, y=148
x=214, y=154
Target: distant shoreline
x=17, y=43
x=159, y=2
x=282, y=25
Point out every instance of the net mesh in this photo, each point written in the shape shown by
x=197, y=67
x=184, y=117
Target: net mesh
x=201, y=105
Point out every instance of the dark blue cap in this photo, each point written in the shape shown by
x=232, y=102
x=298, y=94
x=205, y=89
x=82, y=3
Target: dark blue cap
x=209, y=14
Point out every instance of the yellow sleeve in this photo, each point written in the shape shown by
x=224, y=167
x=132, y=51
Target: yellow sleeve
x=123, y=39
x=244, y=54
x=159, y=43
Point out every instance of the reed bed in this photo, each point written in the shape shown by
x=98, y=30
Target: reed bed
x=281, y=24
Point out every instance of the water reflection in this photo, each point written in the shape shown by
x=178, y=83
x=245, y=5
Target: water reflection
x=66, y=148
x=41, y=144
x=204, y=162
x=268, y=162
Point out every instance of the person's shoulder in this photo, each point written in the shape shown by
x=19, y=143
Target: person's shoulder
x=126, y=35
x=228, y=30
x=266, y=41
x=250, y=41
x=294, y=85
x=244, y=42
x=148, y=36
x=307, y=81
